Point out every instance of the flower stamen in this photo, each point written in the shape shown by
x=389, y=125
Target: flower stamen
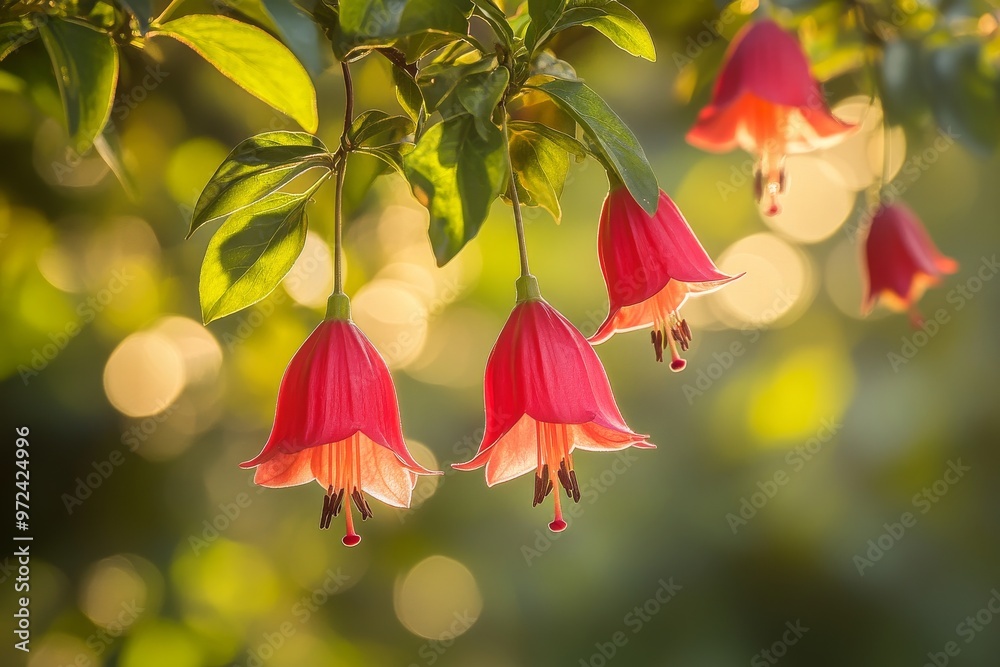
x=345, y=479
x=553, y=446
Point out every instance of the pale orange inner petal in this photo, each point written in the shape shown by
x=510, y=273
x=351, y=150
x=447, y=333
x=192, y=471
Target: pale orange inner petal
x=516, y=453
x=382, y=475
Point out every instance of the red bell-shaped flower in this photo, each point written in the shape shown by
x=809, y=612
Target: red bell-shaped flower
x=901, y=261
x=651, y=264
x=546, y=395
x=337, y=421
x=766, y=101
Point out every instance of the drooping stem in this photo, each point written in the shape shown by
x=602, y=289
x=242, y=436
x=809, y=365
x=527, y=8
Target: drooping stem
x=338, y=207
x=349, y=104
x=338, y=230
x=515, y=202
x=886, y=148
x=870, y=39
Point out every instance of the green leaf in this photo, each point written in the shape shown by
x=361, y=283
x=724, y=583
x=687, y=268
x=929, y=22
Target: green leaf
x=251, y=58
x=545, y=14
x=438, y=80
x=612, y=19
x=456, y=174
x=110, y=150
x=376, y=128
x=378, y=134
x=564, y=141
x=393, y=155
x=290, y=24
x=250, y=254
x=497, y=19
x=85, y=62
x=13, y=35
x=407, y=93
x=618, y=147
x=541, y=161
x=414, y=47
x=480, y=94
x=375, y=23
x=256, y=169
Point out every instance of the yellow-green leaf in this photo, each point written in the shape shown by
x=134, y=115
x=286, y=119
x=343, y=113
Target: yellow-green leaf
x=85, y=62
x=617, y=145
x=250, y=254
x=251, y=58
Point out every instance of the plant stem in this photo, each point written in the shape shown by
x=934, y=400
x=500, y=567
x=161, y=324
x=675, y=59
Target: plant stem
x=349, y=105
x=338, y=207
x=886, y=147
x=338, y=230
x=515, y=202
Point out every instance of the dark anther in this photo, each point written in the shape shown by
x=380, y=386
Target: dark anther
x=338, y=503
x=361, y=504
x=576, y=486
x=563, y=475
x=657, y=337
x=686, y=329
x=328, y=514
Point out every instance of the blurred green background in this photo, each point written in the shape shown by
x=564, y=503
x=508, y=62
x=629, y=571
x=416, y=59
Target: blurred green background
x=789, y=450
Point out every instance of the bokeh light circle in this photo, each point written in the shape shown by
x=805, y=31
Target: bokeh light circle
x=438, y=599
x=113, y=594
x=817, y=201
x=394, y=318
x=778, y=282
x=426, y=484
x=310, y=280
x=144, y=374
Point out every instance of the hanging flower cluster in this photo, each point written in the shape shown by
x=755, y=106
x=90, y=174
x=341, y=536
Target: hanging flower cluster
x=506, y=124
